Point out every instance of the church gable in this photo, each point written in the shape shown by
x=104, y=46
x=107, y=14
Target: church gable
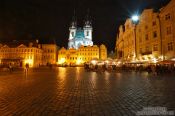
x=22, y=46
x=5, y=46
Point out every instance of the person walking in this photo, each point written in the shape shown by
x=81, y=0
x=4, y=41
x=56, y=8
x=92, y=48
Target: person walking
x=10, y=68
x=26, y=68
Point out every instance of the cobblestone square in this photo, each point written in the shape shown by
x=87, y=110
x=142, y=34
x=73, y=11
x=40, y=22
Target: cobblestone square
x=76, y=92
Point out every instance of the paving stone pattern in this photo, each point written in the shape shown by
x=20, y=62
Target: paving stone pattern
x=76, y=92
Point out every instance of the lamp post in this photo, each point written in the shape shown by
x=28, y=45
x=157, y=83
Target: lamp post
x=135, y=19
x=161, y=43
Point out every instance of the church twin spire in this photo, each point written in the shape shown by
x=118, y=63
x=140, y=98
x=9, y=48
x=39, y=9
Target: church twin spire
x=87, y=21
x=80, y=36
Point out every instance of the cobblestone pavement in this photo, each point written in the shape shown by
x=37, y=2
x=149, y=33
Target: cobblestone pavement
x=73, y=91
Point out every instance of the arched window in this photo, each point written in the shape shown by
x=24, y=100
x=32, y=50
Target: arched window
x=72, y=34
x=87, y=34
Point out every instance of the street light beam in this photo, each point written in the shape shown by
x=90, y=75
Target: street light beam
x=135, y=18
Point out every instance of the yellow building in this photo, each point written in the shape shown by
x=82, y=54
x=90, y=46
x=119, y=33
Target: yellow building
x=49, y=53
x=167, y=18
x=148, y=39
x=81, y=55
x=103, y=52
x=20, y=54
x=146, y=46
x=125, y=44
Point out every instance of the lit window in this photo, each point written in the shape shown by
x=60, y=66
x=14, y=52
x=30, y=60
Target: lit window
x=154, y=23
x=87, y=34
x=168, y=30
x=140, y=40
x=167, y=17
x=146, y=27
x=147, y=49
x=72, y=34
x=140, y=50
x=146, y=37
x=155, y=34
x=170, y=46
x=155, y=47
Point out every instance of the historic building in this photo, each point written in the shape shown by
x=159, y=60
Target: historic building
x=167, y=18
x=152, y=39
x=79, y=36
x=148, y=39
x=83, y=54
x=49, y=53
x=20, y=53
x=125, y=44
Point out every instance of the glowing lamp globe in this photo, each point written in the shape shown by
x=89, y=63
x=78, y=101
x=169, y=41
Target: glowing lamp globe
x=135, y=18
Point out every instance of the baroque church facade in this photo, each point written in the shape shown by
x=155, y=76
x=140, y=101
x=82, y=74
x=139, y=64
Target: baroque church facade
x=80, y=36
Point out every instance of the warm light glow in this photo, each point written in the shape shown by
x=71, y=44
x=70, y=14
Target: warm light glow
x=94, y=62
x=171, y=59
x=154, y=60
x=106, y=61
x=62, y=61
x=135, y=18
x=29, y=61
x=78, y=62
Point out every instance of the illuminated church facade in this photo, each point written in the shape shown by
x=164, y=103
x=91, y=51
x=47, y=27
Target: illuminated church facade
x=80, y=36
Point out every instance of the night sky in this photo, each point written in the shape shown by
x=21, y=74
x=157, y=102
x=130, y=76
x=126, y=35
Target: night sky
x=50, y=19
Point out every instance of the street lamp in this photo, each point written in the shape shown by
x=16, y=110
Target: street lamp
x=135, y=20
x=161, y=43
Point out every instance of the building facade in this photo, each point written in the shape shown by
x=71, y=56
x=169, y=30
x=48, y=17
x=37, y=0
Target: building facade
x=82, y=55
x=49, y=55
x=125, y=44
x=20, y=54
x=154, y=36
x=148, y=36
x=167, y=18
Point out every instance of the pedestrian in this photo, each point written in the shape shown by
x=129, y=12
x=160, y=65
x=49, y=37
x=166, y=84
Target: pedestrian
x=26, y=68
x=10, y=68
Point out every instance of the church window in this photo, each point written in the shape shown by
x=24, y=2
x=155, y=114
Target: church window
x=72, y=33
x=87, y=34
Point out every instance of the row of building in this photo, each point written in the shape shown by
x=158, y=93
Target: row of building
x=151, y=39
x=20, y=53
x=82, y=55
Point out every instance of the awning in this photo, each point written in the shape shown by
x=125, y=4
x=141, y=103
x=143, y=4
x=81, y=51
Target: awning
x=167, y=62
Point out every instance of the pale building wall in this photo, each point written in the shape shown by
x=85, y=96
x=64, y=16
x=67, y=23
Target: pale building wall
x=103, y=52
x=49, y=53
x=167, y=17
x=148, y=36
x=22, y=55
x=120, y=43
x=125, y=44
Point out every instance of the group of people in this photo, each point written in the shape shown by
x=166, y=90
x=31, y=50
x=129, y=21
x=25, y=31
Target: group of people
x=150, y=68
x=11, y=67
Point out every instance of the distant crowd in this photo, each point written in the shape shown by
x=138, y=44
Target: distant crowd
x=151, y=68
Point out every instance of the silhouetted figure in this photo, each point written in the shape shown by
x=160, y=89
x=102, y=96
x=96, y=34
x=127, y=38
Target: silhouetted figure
x=26, y=68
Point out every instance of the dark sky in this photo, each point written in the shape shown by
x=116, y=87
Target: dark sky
x=48, y=19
